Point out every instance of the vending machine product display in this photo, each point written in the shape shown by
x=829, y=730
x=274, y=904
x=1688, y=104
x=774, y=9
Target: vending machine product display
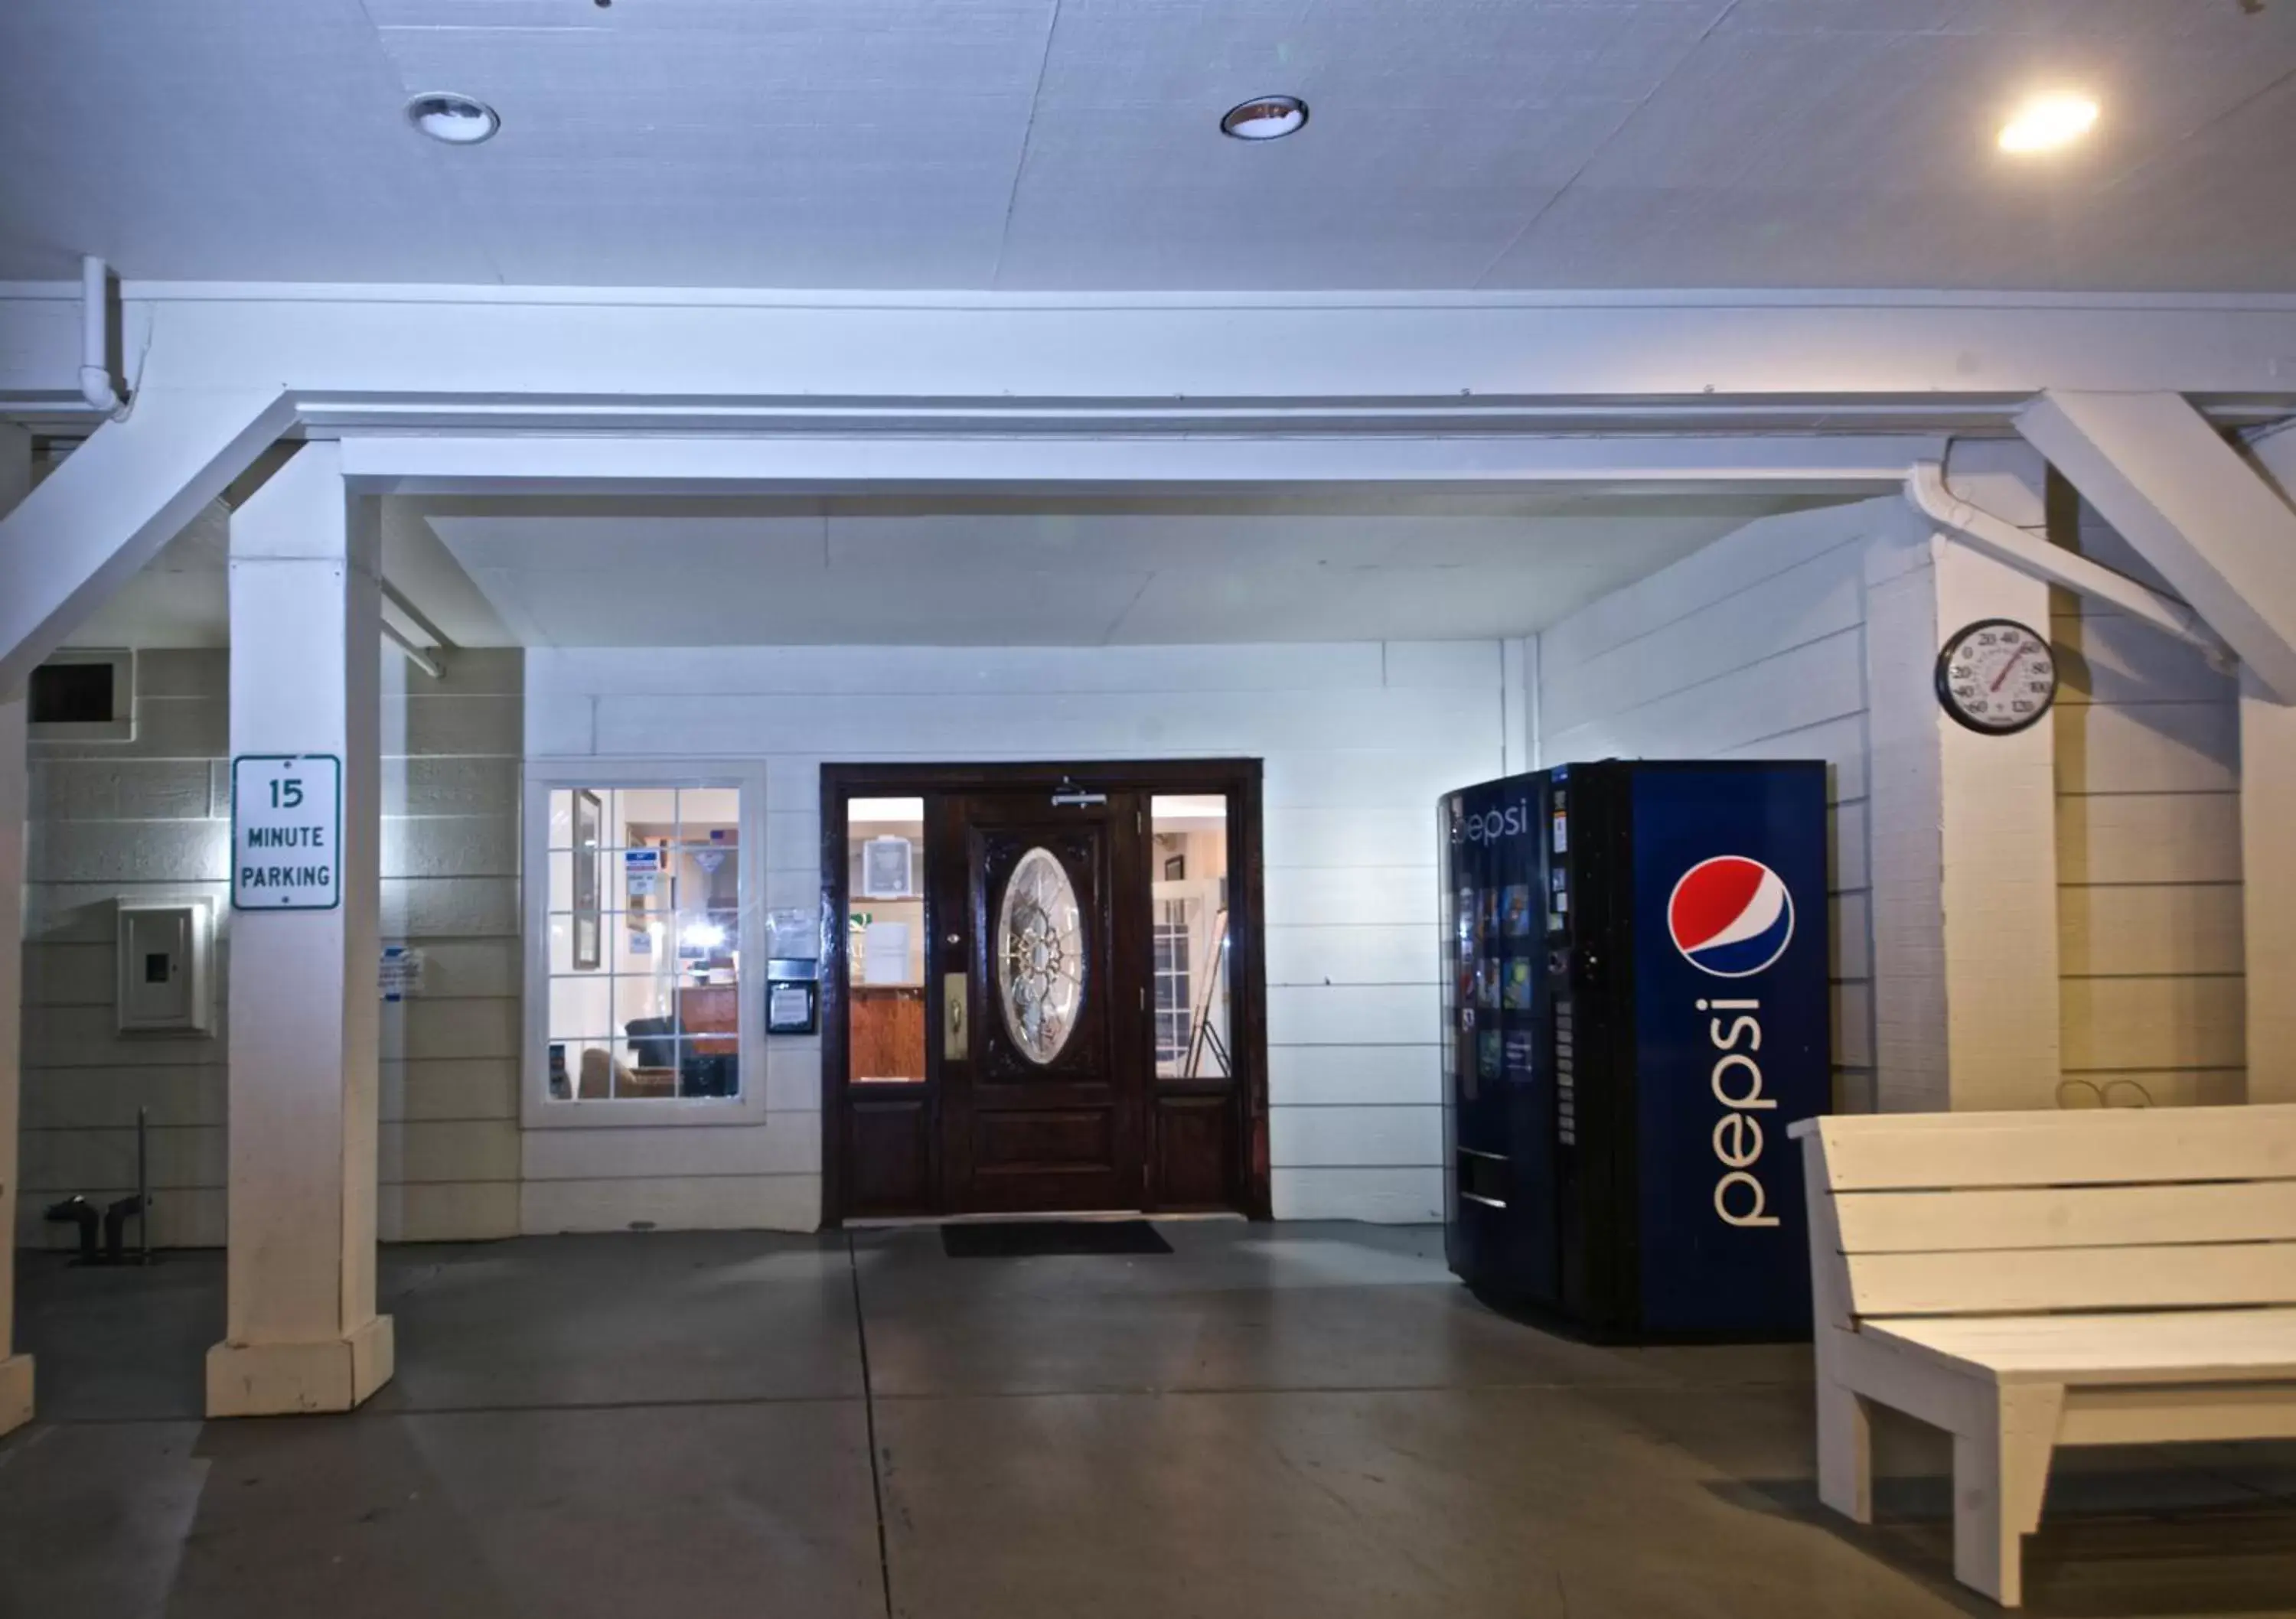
x=1635, y=1007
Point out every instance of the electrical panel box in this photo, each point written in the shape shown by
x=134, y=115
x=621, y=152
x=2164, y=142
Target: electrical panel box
x=167, y=961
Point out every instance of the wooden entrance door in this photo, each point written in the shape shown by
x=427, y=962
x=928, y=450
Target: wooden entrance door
x=1043, y=1074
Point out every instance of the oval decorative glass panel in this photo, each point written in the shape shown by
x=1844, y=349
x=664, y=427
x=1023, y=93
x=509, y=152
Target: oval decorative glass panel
x=1039, y=956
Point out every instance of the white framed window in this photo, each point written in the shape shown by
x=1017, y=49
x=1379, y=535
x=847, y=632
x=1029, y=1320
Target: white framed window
x=645, y=943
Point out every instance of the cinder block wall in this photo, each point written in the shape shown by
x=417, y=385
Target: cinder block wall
x=150, y=819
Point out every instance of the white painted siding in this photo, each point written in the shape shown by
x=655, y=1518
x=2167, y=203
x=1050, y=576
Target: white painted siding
x=1358, y=740
x=151, y=820
x=450, y=881
x=2148, y=856
x=1753, y=648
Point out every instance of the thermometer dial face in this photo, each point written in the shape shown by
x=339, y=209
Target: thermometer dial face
x=1997, y=677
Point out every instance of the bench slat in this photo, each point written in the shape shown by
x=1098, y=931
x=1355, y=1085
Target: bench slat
x=1886, y=1152
x=2037, y=1280
x=2146, y=1348
x=1966, y=1220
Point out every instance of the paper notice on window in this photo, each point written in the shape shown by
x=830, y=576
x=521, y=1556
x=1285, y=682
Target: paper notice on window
x=885, y=953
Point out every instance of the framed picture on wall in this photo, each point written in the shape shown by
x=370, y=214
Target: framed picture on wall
x=589, y=818
x=886, y=868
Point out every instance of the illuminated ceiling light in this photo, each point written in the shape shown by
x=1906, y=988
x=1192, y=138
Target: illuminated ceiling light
x=1265, y=118
x=2047, y=122
x=457, y=119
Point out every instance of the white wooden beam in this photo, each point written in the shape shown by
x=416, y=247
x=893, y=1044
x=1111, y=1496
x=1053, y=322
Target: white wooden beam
x=628, y=463
x=436, y=356
x=114, y=503
x=2166, y=480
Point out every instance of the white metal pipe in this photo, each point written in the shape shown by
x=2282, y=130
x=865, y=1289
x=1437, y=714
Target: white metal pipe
x=1927, y=492
x=96, y=384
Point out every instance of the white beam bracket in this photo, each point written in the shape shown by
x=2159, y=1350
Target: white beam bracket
x=2161, y=474
x=1928, y=493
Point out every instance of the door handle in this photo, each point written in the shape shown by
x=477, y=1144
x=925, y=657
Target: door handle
x=952, y=1016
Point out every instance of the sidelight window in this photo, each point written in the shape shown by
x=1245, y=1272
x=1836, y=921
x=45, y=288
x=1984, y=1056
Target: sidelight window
x=1189, y=938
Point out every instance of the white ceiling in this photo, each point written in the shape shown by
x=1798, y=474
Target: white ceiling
x=1071, y=143
x=1014, y=572
x=984, y=572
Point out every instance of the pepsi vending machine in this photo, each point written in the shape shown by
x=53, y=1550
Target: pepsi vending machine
x=1636, y=1008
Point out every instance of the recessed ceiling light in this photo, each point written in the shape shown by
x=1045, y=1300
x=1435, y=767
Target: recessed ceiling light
x=1265, y=118
x=2047, y=122
x=455, y=119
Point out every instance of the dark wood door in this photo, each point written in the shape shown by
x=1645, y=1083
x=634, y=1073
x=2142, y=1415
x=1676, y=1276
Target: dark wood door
x=1043, y=909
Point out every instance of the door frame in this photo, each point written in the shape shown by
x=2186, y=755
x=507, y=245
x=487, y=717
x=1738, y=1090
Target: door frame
x=1236, y=780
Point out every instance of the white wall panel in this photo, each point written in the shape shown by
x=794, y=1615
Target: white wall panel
x=787, y=1203
x=1399, y=1197
x=1338, y=1075
x=2150, y=926
x=1354, y=1014
x=1350, y=952
x=150, y=820
x=1354, y=1138
x=1356, y=742
x=1752, y=648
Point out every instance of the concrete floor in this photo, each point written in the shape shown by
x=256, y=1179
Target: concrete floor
x=1299, y=1419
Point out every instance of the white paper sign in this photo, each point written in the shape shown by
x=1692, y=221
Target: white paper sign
x=793, y=933
x=286, y=832
x=401, y=975
x=885, y=953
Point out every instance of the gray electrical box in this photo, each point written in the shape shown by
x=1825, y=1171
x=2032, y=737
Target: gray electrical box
x=166, y=972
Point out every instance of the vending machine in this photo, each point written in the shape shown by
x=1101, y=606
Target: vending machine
x=1635, y=1007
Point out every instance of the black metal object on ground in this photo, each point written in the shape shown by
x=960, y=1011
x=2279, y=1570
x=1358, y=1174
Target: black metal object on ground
x=1031, y=1239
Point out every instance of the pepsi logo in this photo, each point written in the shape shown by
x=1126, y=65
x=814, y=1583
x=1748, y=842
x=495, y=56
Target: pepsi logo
x=1730, y=916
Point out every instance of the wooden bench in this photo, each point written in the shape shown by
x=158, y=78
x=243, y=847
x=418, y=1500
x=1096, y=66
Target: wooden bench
x=2025, y=1280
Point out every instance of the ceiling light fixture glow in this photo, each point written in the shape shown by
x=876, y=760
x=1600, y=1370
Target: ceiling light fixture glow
x=457, y=119
x=1265, y=118
x=2047, y=122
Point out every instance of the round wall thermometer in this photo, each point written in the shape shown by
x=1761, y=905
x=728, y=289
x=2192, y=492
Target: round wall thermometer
x=1997, y=677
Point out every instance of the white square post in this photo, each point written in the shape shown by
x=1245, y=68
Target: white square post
x=2267, y=809
x=1963, y=826
x=302, y=1333
x=15, y=1369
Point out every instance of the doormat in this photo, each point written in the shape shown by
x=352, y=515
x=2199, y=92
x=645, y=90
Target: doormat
x=1029, y=1238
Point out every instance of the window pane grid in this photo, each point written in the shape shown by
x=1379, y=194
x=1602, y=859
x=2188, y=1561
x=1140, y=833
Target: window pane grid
x=665, y=981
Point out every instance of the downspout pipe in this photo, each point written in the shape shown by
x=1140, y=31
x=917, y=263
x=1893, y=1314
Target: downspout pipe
x=1927, y=492
x=96, y=375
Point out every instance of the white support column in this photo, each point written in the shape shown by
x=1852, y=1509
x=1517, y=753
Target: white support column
x=302, y=1332
x=1963, y=827
x=2268, y=810
x=15, y=1369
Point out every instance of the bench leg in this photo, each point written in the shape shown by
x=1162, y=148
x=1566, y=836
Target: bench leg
x=1845, y=1451
x=2000, y=1473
